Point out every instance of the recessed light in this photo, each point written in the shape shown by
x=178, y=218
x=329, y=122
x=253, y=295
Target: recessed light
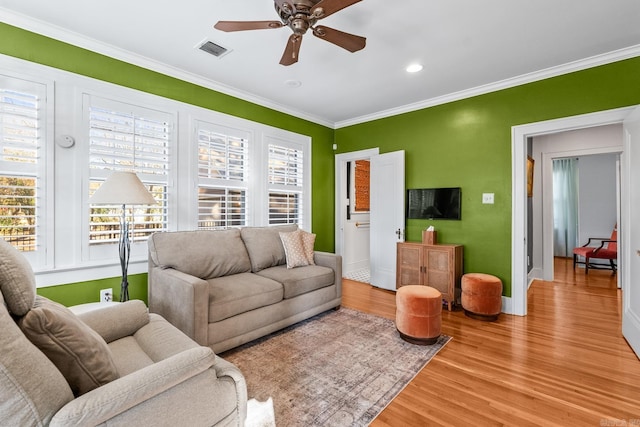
x=293, y=83
x=414, y=68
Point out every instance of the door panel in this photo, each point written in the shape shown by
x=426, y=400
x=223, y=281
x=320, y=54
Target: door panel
x=387, y=216
x=630, y=238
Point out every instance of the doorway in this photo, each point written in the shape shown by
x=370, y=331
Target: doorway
x=520, y=280
x=352, y=226
x=596, y=151
x=386, y=214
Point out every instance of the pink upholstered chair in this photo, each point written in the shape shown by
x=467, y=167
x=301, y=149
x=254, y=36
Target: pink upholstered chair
x=608, y=249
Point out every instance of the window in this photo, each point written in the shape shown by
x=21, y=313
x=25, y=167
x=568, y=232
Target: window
x=223, y=166
x=22, y=161
x=285, y=184
x=124, y=137
x=206, y=170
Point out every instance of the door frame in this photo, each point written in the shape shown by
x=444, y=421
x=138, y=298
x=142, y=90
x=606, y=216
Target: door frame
x=519, y=134
x=340, y=191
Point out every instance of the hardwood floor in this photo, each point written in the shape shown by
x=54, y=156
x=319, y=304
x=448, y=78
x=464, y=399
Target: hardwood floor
x=565, y=363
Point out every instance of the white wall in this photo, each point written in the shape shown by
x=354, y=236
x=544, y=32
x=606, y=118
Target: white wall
x=578, y=143
x=597, y=196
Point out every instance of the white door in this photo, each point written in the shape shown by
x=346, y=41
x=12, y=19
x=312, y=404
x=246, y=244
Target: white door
x=387, y=216
x=631, y=238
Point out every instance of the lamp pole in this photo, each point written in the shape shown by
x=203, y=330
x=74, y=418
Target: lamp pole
x=124, y=246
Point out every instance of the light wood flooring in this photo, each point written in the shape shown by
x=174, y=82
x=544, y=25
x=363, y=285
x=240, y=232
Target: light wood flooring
x=565, y=363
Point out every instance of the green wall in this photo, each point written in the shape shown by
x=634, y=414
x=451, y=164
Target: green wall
x=26, y=45
x=468, y=144
x=465, y=143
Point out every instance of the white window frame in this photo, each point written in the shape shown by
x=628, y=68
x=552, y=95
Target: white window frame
x=42, y=256
x=294, y=142
x=106, y=251
x=225, y=183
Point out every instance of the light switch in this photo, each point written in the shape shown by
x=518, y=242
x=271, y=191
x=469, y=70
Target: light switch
x=487, y=198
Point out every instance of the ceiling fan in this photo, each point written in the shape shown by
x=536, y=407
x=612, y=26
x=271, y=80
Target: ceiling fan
x=300, y=16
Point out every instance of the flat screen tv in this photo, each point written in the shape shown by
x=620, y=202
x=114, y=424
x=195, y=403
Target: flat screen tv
x=434, y=203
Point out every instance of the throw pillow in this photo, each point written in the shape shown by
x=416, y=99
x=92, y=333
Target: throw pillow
x=308, y=241
x=17, y=281
x=293, y=249
x=80, y=353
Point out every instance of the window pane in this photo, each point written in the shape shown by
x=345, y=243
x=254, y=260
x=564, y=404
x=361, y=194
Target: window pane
x=285, y=208
x=128, y=138
x=18, y=127
x=18, y=211
x=285, y=166
x=20, y=124
x=122, y=141
x=221, y=208
x=221, y=156
x=104, y=225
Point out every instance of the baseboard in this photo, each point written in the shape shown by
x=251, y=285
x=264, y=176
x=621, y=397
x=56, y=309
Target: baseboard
x=507, y=305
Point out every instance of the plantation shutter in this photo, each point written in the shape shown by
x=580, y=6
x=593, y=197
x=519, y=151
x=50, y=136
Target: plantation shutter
x=223, y=166
x=124, y=137
x=22, y=106
x=285, y=184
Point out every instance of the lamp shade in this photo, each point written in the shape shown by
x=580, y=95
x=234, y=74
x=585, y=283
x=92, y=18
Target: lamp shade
x=122, y=188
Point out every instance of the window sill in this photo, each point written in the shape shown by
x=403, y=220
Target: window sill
x=87, y=272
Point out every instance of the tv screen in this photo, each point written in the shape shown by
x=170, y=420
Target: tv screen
x=434, y=203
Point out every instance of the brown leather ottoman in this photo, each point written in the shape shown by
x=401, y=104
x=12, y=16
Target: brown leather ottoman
x=481, y=296
x=419, y=314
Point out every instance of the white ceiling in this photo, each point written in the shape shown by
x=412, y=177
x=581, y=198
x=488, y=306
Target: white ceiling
x=466, y=47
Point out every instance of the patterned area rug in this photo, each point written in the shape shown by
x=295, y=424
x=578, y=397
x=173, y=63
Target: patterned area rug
x=340, y=368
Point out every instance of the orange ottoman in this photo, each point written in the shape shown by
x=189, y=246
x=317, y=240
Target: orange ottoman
x=481, y=296
x=419, y=314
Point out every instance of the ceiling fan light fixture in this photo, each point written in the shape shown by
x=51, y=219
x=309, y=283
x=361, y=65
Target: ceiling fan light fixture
x=414, y=68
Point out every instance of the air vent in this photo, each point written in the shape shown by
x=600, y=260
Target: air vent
x=213, y=49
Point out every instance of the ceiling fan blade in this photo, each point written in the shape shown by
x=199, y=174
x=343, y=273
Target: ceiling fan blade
x=247, y=25
x=292, y=50
x=347, y=41
x=330, y=7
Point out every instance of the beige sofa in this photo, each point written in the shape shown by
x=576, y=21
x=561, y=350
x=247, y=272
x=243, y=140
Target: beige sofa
x=228, y=287
x=117, y=365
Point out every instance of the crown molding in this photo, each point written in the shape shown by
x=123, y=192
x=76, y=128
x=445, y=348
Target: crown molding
x=64, y=35
x=582, y=64
x=75, y=39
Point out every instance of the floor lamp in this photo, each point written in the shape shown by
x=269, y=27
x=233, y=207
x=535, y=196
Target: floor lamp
x=123, y=188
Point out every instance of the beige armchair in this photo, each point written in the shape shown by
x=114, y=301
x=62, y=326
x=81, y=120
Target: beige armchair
x=117, y=365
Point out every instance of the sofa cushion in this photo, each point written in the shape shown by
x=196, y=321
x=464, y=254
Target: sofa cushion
x=79, y=353
x=264, y=245
x=308, y=242
x=204, y=253
x=17, y=281
x=239, y=293
x=32, y=390
x=294, y=249
x=298, y=281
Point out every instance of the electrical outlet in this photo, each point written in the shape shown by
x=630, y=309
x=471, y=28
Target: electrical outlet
x=487, y=198
x=106, y=295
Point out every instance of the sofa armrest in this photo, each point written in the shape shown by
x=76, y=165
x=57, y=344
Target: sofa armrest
x=226, y=369
x=117, y=321
x=153, y=382
x=181, y=299
x=333, y=261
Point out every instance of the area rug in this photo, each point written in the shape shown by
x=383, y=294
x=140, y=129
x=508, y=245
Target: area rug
x=340, y=368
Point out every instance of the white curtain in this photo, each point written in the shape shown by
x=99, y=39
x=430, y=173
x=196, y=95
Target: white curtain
x=565, y=206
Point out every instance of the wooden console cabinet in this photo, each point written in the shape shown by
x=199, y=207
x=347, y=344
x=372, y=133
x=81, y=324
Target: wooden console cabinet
x=438, y=266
